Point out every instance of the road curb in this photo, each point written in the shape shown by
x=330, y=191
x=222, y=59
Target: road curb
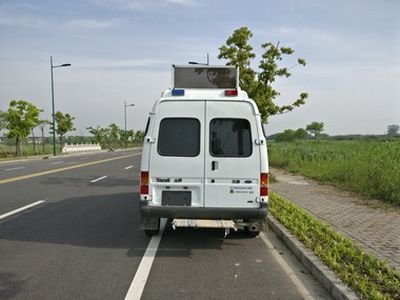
x=315, y=266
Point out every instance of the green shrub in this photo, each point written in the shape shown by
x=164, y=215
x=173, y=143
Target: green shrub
x=369, y=277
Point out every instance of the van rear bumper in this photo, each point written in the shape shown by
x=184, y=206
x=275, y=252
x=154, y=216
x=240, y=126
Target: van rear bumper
x=202, y=212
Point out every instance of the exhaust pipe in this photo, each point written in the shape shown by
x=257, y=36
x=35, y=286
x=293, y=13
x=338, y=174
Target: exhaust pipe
x=253, y=227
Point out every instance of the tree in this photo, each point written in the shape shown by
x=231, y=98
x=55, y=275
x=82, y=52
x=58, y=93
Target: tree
x=3, y=121
x=19, y=120
x=114, y=131
x=258, y=85
x=300, y=134
x=139, y=136
x=393, y=130
x=124, y=136
x=64, y=125
x=315, y=128
x=100, y=134
x=287, y=136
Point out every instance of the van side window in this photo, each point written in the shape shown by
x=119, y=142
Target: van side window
x=230, y=138
x=179, y=137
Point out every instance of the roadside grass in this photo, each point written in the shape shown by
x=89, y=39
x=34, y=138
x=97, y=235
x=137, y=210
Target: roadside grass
x=368, y=276
x=8, y=151
x=370, y=167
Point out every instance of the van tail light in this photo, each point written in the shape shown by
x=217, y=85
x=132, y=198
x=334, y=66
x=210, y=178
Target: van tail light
x=263, y=184
x=231, y=92
x=144, y=183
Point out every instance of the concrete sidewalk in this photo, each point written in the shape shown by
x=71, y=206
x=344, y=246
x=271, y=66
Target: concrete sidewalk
x=374, y=227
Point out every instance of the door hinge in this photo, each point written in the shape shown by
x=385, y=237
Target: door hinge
x=259, y=142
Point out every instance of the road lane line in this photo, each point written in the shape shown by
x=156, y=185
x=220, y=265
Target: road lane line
x=16, y=168
x=100, y=178
x=288, y=270
x=2, y=181
x=57, y=162
x=128, y=167
x=139, y=281
x=20, y=209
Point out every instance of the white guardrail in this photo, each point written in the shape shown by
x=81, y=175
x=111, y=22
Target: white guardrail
x=80, y=148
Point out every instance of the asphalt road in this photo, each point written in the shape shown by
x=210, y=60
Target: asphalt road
x=81, y=240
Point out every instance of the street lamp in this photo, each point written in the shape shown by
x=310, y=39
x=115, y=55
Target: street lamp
x=52, y=100
x=125, y=106
x=197, y=63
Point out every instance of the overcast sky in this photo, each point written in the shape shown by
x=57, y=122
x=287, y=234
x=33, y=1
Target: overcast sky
x=122, y=50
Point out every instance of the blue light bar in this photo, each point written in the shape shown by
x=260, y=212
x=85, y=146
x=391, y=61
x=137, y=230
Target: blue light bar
x=178, y=92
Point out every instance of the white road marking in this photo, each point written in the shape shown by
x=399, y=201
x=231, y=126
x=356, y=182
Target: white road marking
x=139, y=281
x=57, y=162
x=100, y=178
x=20, y=209
x=293, y=277
x=128, y=167
x=82, y=158
x=16, y=168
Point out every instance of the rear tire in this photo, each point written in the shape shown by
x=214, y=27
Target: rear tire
x=151, y=226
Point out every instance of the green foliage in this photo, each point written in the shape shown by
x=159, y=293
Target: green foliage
x=139, y=136
x=79, y=140
x=286, y=136
x=301, y=134
x=368, y=167
x=64, y=124
x=115, y=137
x=3, y=121
x=114, y=134
x=369, y=277
x=290, y=135
x=393, y=130
x=315, y=128
x=8, y=151
x=258, y=85
x=19, y=120
x=100, y=135
x=126, y=136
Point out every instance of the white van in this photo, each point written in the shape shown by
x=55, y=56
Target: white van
x=204, y=153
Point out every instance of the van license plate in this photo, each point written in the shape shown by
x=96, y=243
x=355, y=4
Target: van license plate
x=177, y=198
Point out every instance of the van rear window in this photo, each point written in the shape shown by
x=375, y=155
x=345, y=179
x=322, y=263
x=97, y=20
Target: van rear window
x=230, y=138
x=179, y=137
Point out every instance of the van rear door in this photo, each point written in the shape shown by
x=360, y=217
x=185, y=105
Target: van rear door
x=232, y=159
x=176, y=165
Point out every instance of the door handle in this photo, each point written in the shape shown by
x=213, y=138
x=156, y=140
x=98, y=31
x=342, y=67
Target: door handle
x=214, y=165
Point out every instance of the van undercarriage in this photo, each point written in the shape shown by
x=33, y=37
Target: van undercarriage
x=252, y=220
x=203, y=212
